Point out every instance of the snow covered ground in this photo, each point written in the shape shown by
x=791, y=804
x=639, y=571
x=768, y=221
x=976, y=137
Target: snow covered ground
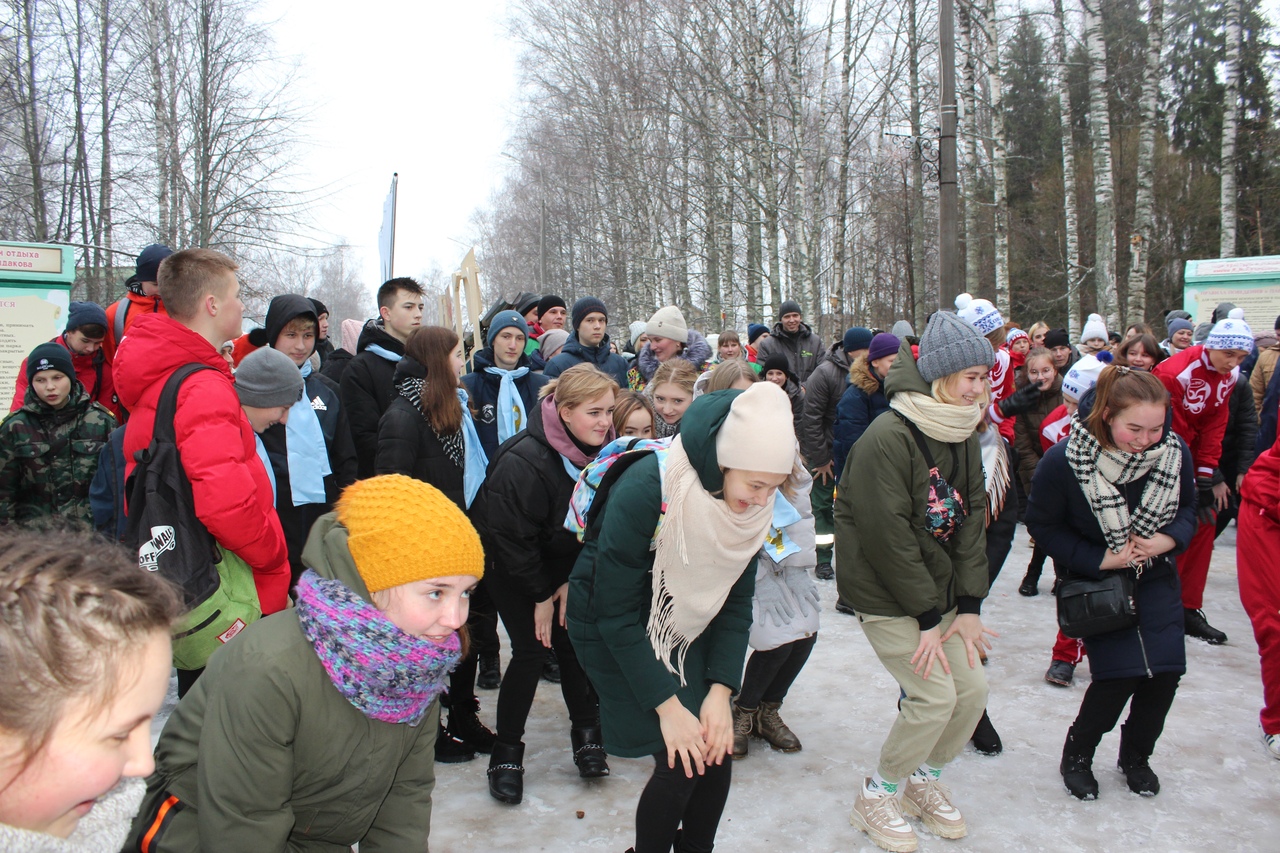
x=1220, y=790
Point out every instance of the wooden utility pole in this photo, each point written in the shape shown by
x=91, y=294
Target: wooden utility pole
x=948, y=191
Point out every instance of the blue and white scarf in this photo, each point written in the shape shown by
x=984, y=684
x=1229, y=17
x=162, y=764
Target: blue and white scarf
x=307, y=452
x=475, y=460
x=511, y=414
x=266, y=463
x=384, y=352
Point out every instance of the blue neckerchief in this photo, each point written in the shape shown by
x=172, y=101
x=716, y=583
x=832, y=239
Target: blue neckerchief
x=266, y=463
x=474, y=460
x=511, y=413
x=307, y=454
x=572, y=470
x=777, y=544
x=383, y=352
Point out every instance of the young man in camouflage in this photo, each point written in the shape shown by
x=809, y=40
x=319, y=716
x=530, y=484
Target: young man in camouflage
x=49, y=447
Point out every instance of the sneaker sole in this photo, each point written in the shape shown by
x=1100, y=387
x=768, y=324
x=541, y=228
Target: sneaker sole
x=884, y=842
x=932, y=824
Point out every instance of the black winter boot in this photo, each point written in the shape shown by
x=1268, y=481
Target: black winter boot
x=1030, y=584
x=588, y=752
x=1077, y=770
x=465, y=725
x=489, y=672
x=1137, y=772
x=506, y=773
x=450, y=750
x=551, y=669
x=1197, y=626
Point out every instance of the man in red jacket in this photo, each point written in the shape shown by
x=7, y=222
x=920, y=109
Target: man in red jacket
x=1200, y=380
x=141, y=298
x=86, y=328
x=229, y=484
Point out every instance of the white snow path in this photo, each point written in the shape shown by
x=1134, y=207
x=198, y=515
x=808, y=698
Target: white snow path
x=1219, y=789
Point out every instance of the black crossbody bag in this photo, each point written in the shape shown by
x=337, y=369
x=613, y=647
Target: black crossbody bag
x=1091, y=606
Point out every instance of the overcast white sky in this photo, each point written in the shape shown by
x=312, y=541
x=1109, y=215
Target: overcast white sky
x=420, y=88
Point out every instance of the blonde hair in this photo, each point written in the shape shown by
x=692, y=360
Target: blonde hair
x=941, y=389
x=580, y=384
x=726, y=373
x=74, y=611
x=676, y=371
x=188, y=276
x=1036, y=329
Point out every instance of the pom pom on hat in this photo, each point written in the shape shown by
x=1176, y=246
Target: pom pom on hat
x=1094, y=327
x=386, y=553
x=1231, y=333
x=979, y=313
x=1083, y=375
x=758, y=434
x=950, y=345
x=669, y=323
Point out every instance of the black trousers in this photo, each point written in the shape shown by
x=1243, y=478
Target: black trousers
x=671, y=801
x=482, y=620
x=1105, y=700
x=770, y=674
x=528, y=655
x=1001, y=529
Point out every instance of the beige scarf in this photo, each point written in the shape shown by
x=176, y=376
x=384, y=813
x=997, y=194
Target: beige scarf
x=703, y=547
x=940, y=421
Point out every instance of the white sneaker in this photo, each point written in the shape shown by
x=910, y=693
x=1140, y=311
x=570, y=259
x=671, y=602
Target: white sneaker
x=879, y=815
x=930, y=801
x=1272, y=743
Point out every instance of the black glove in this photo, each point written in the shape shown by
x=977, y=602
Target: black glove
x=1020, y=401
x=1206, y=509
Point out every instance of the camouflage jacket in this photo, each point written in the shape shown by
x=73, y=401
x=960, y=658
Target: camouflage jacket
x=48, y=458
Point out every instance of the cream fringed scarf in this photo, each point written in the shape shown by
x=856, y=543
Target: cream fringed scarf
x=703, y=547
x=940, y=421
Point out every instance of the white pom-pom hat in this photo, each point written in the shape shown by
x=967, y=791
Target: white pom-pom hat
x=1231, y=333
x=979, y=313
x=1094, y=327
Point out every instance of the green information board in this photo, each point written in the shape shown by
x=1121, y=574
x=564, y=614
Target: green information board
x=35, y=293
x=1250, y=283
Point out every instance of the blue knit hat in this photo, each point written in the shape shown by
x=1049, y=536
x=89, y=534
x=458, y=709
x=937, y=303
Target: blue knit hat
x=506, y=320
x=755, y=330
x=584, y=306
x=857, y=338
x=85, y=314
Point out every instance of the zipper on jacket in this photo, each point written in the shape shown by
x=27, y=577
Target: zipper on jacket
x=1146, y=664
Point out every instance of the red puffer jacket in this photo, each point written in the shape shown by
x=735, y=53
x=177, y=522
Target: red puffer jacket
x=94, y=375
x=1200, y=399
x=231, y=490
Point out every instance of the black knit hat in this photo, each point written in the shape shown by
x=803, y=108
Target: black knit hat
x=321, y=308
x=149, y=261
x=1056, y=338
x=777, y=361
x=584, y=306
x=548, y=302
x=50, y=357
x=790, y=306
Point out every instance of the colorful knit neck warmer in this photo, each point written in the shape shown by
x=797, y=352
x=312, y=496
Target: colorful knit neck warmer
x=385, y=673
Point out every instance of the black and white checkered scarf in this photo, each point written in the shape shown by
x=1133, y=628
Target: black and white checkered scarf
x=1100, y=471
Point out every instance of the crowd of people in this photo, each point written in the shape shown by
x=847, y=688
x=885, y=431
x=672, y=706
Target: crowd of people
x=335, y=529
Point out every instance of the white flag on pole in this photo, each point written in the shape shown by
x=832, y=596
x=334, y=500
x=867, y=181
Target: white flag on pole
x=387, y=233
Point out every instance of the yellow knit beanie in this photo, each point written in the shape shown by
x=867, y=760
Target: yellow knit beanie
x=401, y=530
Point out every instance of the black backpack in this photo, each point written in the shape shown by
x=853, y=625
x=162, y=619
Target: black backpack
x=162, y=525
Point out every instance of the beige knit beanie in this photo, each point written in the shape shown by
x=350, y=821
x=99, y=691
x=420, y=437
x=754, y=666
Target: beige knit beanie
x=668, y=323
x=758, y=434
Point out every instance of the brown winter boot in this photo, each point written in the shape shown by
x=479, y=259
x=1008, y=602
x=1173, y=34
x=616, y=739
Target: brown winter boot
x=744, y=720
x=770, y=727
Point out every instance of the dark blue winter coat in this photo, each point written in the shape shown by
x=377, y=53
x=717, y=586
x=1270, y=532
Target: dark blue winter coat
x=1059, y=519
x=482, y=391
x=862, y=402
x=574, y=353
x=106, y=491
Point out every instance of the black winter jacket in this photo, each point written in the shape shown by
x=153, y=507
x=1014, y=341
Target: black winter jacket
x=482, y=391
x=1060, y=520
x=574, y=353
x=1238, y=443
x=367, y=390
x=296, y=521
x=520, y=512
x=822, y=392
x=336, y=365
x=407, y=444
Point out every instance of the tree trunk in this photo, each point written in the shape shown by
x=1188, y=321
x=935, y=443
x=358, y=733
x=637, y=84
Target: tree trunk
x=1104, y=256
x=1144, y=202
x=1230, y=124
x=919, y=308
x=999, y=162
x=970, y=168
x=1071, y=217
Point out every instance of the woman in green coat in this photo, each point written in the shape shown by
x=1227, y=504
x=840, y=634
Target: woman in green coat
x=314, y=729
x=662, y=633
x=911, y=560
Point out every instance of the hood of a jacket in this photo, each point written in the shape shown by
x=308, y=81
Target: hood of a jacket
x=280, y=313
x=698, y=430
x=409, y=368
x=156, y=346
x=598, y=354
x=375, y=333
x=904, y=375
x=860, y=374
x=837, y=356
x=326, y=551
x=779, y=332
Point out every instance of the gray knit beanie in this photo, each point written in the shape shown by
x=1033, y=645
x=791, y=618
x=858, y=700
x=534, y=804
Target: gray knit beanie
x=268, y=378
x=949, y=345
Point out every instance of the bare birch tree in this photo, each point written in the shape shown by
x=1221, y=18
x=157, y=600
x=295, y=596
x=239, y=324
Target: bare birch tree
x=1104, y=255
x=1144, y=202
x=1230, y=126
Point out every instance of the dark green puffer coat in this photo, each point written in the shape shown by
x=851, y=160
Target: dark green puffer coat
x=265, y=754
x=888, y=564
x=611, y=588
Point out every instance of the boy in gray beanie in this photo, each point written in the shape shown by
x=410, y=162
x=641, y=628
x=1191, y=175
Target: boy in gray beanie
x=268, y=384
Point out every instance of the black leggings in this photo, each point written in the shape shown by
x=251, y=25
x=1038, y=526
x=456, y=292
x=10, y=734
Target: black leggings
x=481, y=618
x=528, y=655
x=770, y=674
x=1105, y=700
x=671, y=800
